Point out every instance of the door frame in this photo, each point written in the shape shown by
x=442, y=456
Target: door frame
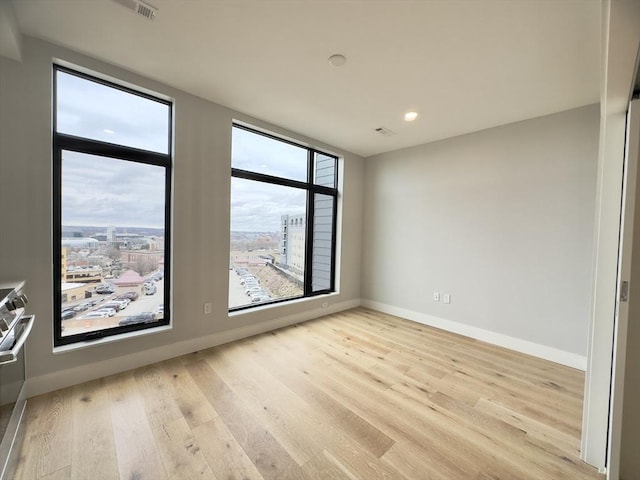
x=630, y=197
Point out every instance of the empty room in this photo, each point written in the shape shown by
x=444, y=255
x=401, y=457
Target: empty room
x=313, y=239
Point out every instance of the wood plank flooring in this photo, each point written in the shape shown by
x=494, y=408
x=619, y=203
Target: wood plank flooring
x=354, y=395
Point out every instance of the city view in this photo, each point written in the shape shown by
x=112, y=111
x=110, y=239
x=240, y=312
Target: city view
x=111, y=277
x=113, y=211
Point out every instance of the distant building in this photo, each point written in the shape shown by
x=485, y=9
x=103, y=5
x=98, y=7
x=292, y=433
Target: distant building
x=73, y=291
x=80, y=242
x=69, y=232
x=292, y=243
x=258, y=262
x=129, y=281
x=73, y=274
x=148, y=259
x=63, y=264
x=86, y=274
x=111, y=234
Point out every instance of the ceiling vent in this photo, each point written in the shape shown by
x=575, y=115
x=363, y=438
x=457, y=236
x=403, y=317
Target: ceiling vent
x=385, y=131
x=141, y=8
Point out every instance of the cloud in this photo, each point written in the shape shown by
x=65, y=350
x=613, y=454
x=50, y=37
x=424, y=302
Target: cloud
x=102, y=191
x=257, y=206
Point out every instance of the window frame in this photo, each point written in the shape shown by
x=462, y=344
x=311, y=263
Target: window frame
x=311, y=189
x=62, y=142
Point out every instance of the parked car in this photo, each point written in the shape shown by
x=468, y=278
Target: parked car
x=105, y=290
x=109, y=311
x=260, y=299
x=160, y=309
x=132, y=296
x=90, y=315
x=144, y=317
x=81, y=308
x=149, y=288
x=67, y=314
x=116, y=304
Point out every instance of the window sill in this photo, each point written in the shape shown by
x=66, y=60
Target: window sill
x=324, y=298
x=111, y=339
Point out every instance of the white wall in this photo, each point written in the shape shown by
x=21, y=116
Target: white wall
x=200, y=216
x=502, y=220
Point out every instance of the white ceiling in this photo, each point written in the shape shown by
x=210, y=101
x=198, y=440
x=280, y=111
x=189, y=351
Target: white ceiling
x=464, y=65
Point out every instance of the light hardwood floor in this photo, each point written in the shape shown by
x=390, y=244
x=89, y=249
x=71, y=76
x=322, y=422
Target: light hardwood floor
x=354, y=395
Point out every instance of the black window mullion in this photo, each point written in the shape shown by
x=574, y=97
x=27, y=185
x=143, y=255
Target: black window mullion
x=57, y=235
x=262, y=177
x=334, y=236
x=308, y=251
x=324, y=190
x=91, y=78
x=104, y=149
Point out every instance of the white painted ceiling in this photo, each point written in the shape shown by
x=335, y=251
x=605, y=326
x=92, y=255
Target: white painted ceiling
x=464, y=65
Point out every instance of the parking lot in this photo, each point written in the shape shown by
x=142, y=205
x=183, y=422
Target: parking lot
x=273, y=281
x=237, y=297
x=144, y=303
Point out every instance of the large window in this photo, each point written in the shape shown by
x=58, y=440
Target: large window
x=283, y=220
x=111, y=188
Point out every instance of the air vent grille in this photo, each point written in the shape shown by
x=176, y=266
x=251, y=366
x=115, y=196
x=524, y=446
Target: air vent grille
x=141, y=8
x=385, y=131
x=147, y=11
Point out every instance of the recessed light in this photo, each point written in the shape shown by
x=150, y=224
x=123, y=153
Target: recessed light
x=410, y=116
x=337, y=60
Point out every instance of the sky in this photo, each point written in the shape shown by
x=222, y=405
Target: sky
x=101, y=191
x=96, y=111
x=256, y=206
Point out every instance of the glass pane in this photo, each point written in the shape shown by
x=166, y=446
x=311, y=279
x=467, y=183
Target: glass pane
x=267, y=242
x=256, y=153
x=113, y=217
x=93, y=110
x=324, y=170
x=322, y=241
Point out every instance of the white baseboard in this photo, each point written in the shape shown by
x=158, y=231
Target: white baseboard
x=523, y=346
x=84, y=373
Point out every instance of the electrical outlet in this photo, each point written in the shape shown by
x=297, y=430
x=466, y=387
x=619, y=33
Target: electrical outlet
x=436, y=296
x=446, y=298
x=207, y=308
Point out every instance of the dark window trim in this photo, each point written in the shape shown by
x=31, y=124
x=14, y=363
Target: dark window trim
x=117, y=86
x=285, y=182
x=311, y=189
x=68, y=142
